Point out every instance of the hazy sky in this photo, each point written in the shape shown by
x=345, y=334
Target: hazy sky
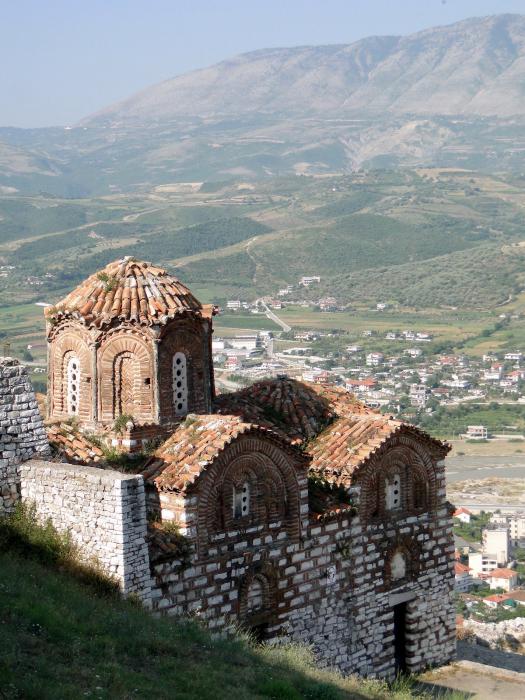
x=63, y=59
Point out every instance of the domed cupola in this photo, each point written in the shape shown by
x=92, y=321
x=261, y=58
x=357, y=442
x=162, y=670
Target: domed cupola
x=130, y=341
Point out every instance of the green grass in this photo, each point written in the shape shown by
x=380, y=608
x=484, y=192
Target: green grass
x=61, y=641
x=497, y=418
x=472, y=531
x=66, y=633
x=184, y=242
x=245, y=321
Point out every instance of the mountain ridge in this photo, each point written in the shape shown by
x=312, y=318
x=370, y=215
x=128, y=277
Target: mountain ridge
x=472, y=67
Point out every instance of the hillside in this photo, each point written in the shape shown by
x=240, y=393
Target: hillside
x=418, y=238
x=59, y=640
x=474, y=67
x=450, y=97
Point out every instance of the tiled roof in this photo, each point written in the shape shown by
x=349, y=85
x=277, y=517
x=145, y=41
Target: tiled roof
x=460, y=568
x=351, y=440
x=164, y=543
x=73, y=446
x=337, y=431
x=293, y=409
x=502, y=573
x=461, y=511
x=194, y=445
x=128, y=290
x=497, y=598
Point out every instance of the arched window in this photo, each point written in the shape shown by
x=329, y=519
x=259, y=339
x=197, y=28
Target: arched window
x=393, y=492
x=420, y=493
x=180, y=384
x=73, y=385
x=241, y=501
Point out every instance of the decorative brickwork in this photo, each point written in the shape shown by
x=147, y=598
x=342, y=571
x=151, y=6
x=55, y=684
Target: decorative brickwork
x=70, y=341
x=131, y=340
x=187, y=337
x=301, y=514
x=125, y=370
x=335, y=581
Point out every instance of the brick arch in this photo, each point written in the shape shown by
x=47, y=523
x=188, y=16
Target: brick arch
x=125, y=360
x=185, y=336
x=421, y=493
x=257, y=616
x=274, y=482
x=417, y=470
x=72, y=341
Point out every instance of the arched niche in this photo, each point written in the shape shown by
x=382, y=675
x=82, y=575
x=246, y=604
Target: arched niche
x=258, y=599
x=398, y=481
x=255, y=468
x=402, y=561
x=186, y=340
x=125, y=371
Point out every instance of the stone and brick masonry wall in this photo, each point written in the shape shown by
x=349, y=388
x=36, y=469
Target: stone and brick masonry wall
x=22, y=433
x=331, y=592
x=104, y=511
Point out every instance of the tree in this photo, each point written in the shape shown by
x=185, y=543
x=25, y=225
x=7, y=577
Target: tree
x=26, y=355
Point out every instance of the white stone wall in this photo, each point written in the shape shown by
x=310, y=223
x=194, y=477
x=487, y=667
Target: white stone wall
x=22, y=433
x=104, y=511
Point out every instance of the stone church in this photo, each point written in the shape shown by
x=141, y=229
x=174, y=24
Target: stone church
x=289, y=508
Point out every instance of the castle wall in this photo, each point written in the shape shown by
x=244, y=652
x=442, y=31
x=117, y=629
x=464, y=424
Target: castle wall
x=22, y=433
x=104, y=511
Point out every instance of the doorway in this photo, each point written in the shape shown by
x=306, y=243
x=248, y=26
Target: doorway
x=400, y=612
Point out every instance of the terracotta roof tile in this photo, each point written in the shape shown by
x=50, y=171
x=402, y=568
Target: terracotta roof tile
x=337, y=431
x=194, y=445
x=128, y=290
x=67, y=442
x=293, y=409
x=502, y=573
x=460, y=568
x=166, y=544
x=351, y=440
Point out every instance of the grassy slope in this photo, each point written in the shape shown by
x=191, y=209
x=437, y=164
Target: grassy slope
x=61, y=641
x=380, y=236
x=335, y=227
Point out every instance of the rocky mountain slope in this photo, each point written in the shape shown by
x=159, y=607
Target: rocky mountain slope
x=474, y=67
x=450, y=97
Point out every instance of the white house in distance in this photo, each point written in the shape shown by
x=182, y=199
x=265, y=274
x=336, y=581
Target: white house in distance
x=373, y=359
x=462, y=579
x=515, y=522
x=476, y=432
x=503, y=578
x=496, y=544
x=463, y=514
x=244, y=342
x=308, y=280
x=480, y=564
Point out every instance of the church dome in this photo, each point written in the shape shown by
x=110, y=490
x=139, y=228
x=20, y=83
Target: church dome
x=128, y=290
